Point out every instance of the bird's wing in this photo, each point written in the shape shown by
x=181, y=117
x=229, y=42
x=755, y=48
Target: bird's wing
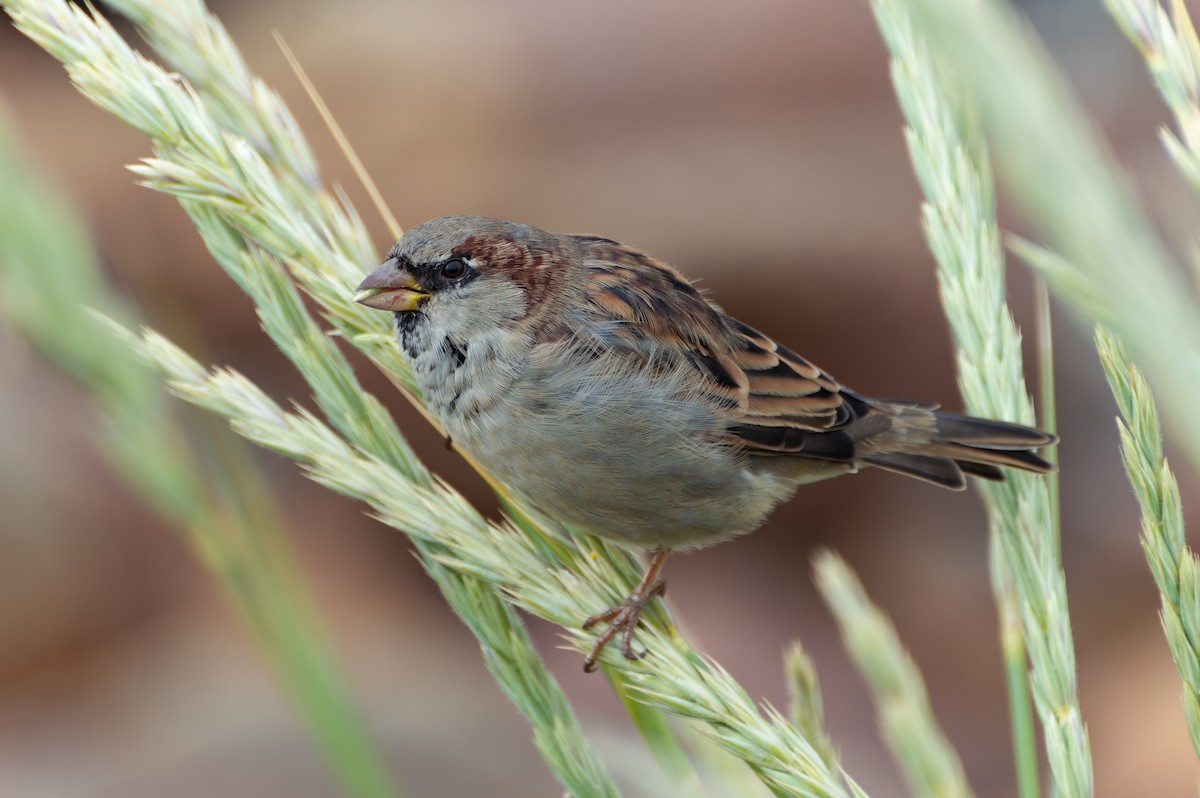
x=793, y=406
x=780, y=402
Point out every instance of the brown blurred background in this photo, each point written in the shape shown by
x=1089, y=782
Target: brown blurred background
x=756, y=145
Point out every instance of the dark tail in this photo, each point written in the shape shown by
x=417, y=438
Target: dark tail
x=944, y=448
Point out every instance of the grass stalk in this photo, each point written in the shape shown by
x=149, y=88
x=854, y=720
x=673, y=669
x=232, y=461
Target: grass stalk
x=1175, y=566
x=805, y=707
x=1015, y=659
x=929, y=763
x=1168, y=43
x=1047, y=405
x=224, y=513
x=960, y=225
x=661, y=740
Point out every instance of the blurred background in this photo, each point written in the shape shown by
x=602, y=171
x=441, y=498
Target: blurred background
x=757, y=146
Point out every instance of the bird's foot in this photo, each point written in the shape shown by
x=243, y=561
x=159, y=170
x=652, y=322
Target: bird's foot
x=623, y=619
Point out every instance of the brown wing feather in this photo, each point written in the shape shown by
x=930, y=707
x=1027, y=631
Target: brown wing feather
x=787, y=390
x=650, y=307
x=782, y=403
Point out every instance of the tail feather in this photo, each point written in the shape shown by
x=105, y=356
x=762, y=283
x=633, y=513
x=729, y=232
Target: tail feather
x=1022, y=459
x=940, y=471
x=988, y=433
x=957, y=446
x=988, y=472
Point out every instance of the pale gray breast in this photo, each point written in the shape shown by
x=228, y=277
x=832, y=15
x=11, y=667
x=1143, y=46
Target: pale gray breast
x=458, y=376
x=638, y=458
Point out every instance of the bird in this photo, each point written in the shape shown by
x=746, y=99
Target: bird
x=602, y=387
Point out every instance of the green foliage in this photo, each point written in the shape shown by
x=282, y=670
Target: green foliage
x=225, y=514
x=927, y=759
x=1173, y=564
x=960, y=224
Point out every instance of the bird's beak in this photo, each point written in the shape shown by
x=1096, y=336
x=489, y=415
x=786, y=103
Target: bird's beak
x=390, y=288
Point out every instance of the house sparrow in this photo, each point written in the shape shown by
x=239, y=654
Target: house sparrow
x=602, y=387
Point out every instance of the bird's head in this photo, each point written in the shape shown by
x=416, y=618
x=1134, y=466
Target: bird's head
x=470, y=272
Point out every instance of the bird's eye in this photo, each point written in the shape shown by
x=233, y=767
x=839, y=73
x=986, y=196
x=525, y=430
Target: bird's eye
x=454, y=268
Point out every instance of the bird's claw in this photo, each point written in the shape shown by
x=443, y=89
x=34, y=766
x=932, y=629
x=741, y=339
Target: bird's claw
x=622, y=619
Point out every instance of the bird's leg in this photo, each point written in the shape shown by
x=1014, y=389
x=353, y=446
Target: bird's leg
x=624, y=618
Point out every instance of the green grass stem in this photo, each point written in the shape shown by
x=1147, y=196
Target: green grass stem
x=929, y=763
x=1174, y=565
x=223, y=511
x=960, y=225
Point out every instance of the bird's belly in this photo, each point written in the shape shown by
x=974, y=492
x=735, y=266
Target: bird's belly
x=636, y=465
